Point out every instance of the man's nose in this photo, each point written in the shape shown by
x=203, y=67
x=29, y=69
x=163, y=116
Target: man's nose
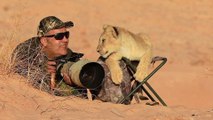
x=65, y=39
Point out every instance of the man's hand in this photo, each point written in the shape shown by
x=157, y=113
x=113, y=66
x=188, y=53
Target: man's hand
x=51, y=66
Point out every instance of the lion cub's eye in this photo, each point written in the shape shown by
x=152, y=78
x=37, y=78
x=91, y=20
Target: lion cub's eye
x=103, y=40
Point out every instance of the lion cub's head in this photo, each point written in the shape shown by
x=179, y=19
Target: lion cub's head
x=108, y=41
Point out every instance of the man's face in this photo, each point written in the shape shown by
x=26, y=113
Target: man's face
x=55, y=43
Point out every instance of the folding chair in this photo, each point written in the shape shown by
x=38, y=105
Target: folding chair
x=132, y=67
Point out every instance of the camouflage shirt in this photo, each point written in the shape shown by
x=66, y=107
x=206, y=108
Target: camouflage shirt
x=111, y=92
x=29, y=61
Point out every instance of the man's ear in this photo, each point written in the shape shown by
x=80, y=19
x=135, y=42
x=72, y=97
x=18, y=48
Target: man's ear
x=43, y=41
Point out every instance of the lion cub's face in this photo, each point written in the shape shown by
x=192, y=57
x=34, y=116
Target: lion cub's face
x=108, y=41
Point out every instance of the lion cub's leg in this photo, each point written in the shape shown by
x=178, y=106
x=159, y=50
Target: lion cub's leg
x=142, y=68
x=115, y=70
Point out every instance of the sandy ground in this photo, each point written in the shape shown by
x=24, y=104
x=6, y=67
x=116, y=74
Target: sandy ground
x=180, y=30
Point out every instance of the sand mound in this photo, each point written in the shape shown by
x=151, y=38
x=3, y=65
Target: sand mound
x=180, y=31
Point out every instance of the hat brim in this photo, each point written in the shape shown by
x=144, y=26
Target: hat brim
x=68, y=24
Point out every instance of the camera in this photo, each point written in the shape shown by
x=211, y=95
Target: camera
x=84, y=73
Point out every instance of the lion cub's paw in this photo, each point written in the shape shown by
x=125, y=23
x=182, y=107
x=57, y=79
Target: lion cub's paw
x=117, y=76
x=140, y=77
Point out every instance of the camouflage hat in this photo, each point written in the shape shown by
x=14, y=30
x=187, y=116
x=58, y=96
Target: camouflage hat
x=50, y=23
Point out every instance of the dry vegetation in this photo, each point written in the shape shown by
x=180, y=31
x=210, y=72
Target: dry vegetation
x=10, y=41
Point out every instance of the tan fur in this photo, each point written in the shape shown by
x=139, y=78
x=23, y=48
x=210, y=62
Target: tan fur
x=116, y=42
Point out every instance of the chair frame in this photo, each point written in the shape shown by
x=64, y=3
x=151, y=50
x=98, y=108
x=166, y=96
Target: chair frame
x=145, y=81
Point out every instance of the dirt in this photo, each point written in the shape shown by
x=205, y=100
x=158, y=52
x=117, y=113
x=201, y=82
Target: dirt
x=181, y=31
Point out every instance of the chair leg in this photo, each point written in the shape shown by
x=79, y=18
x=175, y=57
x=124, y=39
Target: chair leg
x=155, y=93
x=147, y=93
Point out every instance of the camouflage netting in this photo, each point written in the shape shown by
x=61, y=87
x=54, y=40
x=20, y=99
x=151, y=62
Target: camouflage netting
x=29, y=61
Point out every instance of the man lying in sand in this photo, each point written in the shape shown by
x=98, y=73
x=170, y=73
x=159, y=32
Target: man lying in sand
x=36, y=59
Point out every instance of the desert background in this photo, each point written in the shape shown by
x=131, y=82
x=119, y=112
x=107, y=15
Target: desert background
x=180, y=30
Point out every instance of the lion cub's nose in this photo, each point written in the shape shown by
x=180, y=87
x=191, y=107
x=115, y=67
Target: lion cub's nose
x=98, y=50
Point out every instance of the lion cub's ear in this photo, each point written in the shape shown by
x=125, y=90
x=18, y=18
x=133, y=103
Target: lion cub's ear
x=115, y=32
x=113, y=29
x=106, y=26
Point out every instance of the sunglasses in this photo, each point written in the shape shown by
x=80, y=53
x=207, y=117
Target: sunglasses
x=60, y=36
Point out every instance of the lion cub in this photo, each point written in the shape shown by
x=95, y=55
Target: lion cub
x=116, y=42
